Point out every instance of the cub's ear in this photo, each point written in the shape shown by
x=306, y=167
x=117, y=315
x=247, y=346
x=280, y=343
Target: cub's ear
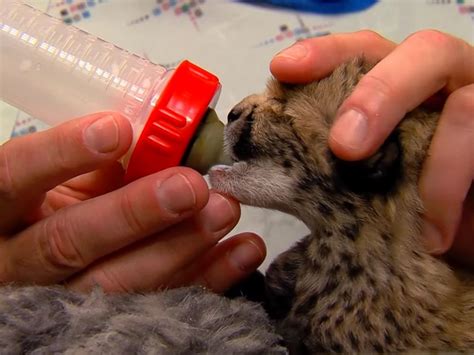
x=378, y=174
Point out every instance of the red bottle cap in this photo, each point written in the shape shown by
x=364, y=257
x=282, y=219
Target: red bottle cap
x=173, y=122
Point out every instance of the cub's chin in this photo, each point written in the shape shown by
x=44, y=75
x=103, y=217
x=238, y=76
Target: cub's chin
x=259, y=183
x=226, y=179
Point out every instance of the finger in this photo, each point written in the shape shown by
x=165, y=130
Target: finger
x=158, y=259
x=80, y=188
x=396, y=85
x=33, y=164
x=462, y=249
x=225, y=265
x=315, y=58
x=74, y=237
x=98, y=182
x=449, y=170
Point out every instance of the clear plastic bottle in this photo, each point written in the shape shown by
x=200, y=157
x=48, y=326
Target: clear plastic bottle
x=56, y=72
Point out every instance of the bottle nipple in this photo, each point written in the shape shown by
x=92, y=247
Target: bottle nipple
x=207, y=149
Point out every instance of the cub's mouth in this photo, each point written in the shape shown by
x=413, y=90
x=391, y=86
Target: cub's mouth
x=237, y=149
x=238, y=143
x=252, y=177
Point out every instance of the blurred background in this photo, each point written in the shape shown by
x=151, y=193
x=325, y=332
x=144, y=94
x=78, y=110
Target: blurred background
x=236, y=41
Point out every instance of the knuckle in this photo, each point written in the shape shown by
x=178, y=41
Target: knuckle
x=461, y=103
x=369, y=35
x=463, y=98
x=132, y=218
x=371, y=91
x=7, y=187
x=376, y=83
x=434, y=38
x=63, y=159
x=57, y=246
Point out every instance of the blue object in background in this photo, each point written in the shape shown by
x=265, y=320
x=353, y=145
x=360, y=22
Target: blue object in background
x=329, y=7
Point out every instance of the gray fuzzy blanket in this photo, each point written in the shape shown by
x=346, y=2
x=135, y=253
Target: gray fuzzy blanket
x=45, y=320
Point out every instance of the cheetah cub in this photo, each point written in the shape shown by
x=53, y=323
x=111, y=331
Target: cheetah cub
x=361, y=281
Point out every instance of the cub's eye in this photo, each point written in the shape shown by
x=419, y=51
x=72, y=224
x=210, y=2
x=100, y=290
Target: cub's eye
x=377, y=174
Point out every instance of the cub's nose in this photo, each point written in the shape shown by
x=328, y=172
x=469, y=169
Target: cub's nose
x=239, y=112
x=233, y=115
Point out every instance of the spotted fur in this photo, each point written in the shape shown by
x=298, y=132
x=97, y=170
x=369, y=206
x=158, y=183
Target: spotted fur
x=362, y=280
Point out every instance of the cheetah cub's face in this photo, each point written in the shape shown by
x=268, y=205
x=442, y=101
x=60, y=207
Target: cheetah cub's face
x=279, y=142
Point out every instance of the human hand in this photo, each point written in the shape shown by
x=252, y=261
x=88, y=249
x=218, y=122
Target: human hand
x=428, y=65
x=67, y=217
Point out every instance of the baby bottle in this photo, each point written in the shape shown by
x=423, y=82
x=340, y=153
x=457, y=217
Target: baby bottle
x=55, y=72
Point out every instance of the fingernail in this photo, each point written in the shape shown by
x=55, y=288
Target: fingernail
x=433, y=239
x=102, y=135
x=176, y=194
x=219, y=213
x=247, y=256
x=350, y=129
x=296, y=52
